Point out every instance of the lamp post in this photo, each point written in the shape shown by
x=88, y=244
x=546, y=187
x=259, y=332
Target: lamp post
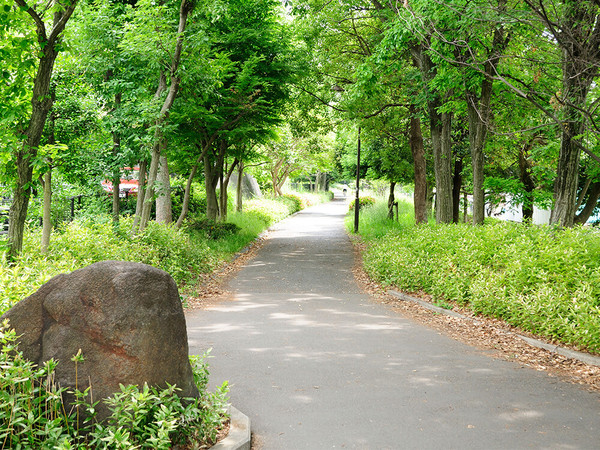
x=357, y=199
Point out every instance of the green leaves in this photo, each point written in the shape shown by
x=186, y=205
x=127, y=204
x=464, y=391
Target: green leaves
x=32, y=414
x=541, y=279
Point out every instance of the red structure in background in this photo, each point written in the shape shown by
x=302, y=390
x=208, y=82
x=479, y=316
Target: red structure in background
x=128, y=184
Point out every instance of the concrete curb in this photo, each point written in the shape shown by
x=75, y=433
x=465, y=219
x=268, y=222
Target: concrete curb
x=583, y=357
x=238, y=437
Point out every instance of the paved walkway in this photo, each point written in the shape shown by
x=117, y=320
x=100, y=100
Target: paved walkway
x=316, y=364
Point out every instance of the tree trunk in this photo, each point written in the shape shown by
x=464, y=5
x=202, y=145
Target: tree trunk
x=47, y=211
x=567, y=173
x=479, y=115
x=590, y=205
x=41, y=102
x=116, y=181
x=164, y=207
x=391, y=200
x=187, y=193
x=159, y=140
x=441, y=143
x=456, y=187
x=429, y=197
x=141, y=195
x=212, y=173
x=238, y=193
x=418, y=152
x=527, y=180
x=441, y=125
x=478, y=118
x=224, y=194
x=579, y=44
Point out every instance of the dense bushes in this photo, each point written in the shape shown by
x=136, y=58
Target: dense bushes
x=364, y=202
x=541, y=279
x=32, y=414
x=85, y=242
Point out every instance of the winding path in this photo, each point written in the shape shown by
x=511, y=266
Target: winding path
x=316, y=364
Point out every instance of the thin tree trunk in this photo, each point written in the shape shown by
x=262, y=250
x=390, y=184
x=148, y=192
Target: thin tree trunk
x=164, y=207
x=441, y=125
x=159, y=142
x=116, y=181
x=141, y=195
x=418, y=152
x=224, y=194
x=186, y=197
x=429, y=197
x=479, y=115
x=583, y=193
x=391, y=200
x=41, y=102
x=47, y=210
x=527, y=180
x=239, y=198
x=456, y=187
x=212, y=171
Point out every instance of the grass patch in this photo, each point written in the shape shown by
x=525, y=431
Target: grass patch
x=541, y=279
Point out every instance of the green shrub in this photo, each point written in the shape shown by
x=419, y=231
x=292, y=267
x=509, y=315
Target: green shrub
x=364, y=202
x=32, y=414
x=541, y=279
x=212, y=229
x=84, y=242
x=295, y=202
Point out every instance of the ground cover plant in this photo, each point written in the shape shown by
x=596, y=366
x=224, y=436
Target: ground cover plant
x=32, y=414
x=541, y=279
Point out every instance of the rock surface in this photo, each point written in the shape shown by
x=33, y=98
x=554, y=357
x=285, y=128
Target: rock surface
x=250, y=187
x=126, y=318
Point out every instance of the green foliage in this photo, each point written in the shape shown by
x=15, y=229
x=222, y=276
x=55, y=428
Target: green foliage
x=32, y=414
x=268, y=211
x=212, y=229
x=295, y=201
x=87, y=241
x=541, y=279
x=364, y=202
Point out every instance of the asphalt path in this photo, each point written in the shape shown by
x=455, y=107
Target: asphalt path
x=317, y=364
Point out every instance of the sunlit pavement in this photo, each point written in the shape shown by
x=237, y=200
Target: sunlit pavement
x=316, y=364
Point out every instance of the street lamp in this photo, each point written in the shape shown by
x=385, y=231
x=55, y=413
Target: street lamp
x=357, y=199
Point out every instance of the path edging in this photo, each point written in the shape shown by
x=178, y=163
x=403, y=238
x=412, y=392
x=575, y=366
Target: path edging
x=238, y=437
x=583, y=357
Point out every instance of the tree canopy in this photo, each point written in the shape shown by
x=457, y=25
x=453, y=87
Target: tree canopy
x=481, y=99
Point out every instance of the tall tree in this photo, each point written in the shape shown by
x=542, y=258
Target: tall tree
x=49, y=24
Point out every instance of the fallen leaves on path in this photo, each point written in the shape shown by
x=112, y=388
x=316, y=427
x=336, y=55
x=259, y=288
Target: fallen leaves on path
x=482, y=332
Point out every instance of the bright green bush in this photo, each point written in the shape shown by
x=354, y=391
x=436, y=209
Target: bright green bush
x=294, y=201
x=32, y=414
x=365, y=202
x=85, y=242
x=268, y=211
x=540, y=279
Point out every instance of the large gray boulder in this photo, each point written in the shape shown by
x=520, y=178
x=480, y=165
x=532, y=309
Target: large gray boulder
x=250, y=187
x=126, y=318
